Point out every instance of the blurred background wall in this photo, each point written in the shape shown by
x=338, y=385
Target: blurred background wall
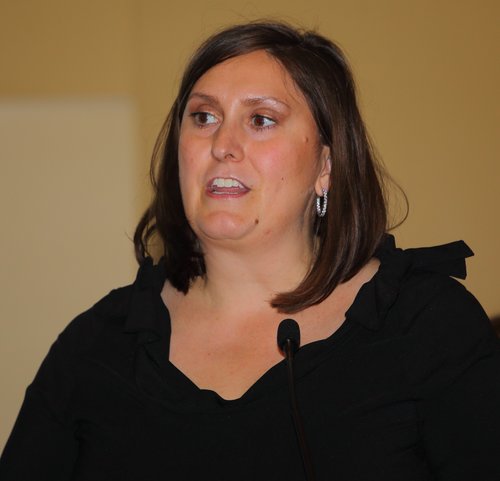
x=84, y=89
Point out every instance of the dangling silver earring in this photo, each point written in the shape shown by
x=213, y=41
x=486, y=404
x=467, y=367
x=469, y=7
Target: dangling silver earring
x=321, y=209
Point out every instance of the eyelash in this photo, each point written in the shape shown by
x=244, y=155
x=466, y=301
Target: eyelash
x=196, y=115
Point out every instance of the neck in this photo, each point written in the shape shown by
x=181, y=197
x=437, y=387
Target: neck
x=236, y=278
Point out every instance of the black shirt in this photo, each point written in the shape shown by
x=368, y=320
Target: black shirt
x=408, y=389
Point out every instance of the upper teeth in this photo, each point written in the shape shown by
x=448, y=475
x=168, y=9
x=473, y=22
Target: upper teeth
x=219, y=182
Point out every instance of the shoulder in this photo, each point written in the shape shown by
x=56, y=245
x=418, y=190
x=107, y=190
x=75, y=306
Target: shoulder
x=409, y=282
x=107, y=316
x=422, y=283
x=441, y=326
x=429, y=296
x=435, y=305
x=126, y=309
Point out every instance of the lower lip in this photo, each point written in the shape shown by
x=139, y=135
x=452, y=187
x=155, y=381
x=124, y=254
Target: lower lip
x=226, y=193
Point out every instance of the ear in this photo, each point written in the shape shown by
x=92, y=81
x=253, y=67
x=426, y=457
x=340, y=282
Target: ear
x=323, y=180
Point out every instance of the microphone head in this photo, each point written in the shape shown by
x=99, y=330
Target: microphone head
x=288, y=329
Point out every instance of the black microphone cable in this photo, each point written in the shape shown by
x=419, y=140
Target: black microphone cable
x=289, y=342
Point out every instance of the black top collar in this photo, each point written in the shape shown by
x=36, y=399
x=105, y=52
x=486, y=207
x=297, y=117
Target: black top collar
x=369, y=309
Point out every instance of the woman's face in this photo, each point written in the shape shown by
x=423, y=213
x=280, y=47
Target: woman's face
x=250, y=162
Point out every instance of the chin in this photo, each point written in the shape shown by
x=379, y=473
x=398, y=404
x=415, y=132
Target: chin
x=223, y=226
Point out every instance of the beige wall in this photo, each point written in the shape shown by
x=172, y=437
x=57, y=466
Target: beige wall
x=85, y=86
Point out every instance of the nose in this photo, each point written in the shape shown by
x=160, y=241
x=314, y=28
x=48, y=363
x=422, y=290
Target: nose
x=226, y=142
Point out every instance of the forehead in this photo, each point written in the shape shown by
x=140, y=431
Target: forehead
x=253, y=74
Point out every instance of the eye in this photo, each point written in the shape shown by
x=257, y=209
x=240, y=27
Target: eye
x=203, y=119
x=262, y=122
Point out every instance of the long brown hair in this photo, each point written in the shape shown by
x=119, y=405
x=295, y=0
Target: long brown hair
x=356, y=219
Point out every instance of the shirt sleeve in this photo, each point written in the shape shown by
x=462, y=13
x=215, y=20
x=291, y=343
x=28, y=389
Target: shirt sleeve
x=456, y=366
x=42, y=445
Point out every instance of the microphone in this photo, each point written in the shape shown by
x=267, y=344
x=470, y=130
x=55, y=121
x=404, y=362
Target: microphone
x=289, y=342
x=288, y=332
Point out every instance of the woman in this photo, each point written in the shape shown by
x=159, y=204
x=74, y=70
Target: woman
x=268, y=204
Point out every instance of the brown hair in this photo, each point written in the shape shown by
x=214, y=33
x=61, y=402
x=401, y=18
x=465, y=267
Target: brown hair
x=349, y=234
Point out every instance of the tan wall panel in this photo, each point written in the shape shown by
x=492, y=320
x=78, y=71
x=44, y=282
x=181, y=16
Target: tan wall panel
x=55, y=47
x=66, y=195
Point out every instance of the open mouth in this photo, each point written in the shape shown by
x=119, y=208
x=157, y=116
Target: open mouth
x=226, y=186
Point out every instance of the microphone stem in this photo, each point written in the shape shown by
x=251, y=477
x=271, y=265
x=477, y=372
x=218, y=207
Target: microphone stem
x=297, y=420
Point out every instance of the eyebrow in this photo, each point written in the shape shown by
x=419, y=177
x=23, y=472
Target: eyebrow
x=250, y=101
x=264, y=99
x=208, y=98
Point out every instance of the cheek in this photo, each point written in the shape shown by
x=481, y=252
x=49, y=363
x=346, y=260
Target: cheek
x=189, y=160
x=289, y=163
x=183, y=169
x=185, y=150
x=274, y=159
x=187, y=176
